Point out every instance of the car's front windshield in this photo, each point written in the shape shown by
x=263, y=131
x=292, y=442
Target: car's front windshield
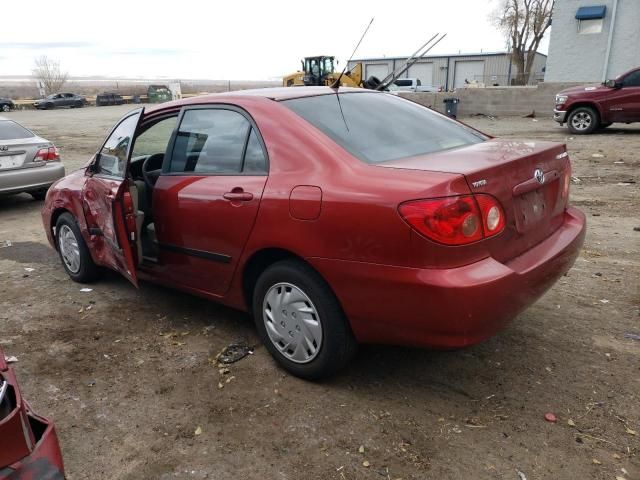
x=53, y=95
x=377, y=127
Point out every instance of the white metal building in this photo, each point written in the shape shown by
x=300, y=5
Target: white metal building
x=593, y=40
x=454, y=71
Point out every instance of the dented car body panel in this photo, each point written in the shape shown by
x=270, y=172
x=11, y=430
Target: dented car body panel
x=29, y=448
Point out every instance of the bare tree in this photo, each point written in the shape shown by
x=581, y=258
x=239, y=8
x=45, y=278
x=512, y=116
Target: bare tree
x=524, y=23
x=49, y=73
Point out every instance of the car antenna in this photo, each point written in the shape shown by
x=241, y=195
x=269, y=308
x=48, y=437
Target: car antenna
x=421, y=52
x=336, y=84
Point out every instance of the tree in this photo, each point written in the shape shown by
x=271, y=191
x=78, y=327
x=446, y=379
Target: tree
x=524, y=23
x=49, y=73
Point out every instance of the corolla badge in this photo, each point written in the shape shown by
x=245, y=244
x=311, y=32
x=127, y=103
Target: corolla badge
x=538, y=174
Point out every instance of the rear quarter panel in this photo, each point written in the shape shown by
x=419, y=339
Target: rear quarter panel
x=358, y=219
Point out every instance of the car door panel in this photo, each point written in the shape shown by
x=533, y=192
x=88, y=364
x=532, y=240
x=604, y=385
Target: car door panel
x=201, y=233
x=107, y=202
x=204, y=206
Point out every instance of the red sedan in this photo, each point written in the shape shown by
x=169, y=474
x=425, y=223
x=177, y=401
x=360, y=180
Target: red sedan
x=334, y=217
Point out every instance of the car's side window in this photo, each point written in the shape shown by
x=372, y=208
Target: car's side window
x=632, y=80
x=216, y=141
x=113, y=156
x=254, y=159
x=154, y=139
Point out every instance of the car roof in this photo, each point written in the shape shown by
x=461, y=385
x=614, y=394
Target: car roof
x=275, y=93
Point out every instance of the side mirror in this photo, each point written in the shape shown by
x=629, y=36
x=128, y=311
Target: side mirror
x=612, y=84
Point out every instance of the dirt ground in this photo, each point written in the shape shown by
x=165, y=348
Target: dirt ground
x=126, y=375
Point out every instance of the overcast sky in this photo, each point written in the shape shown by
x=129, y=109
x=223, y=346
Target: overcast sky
x=231, y=39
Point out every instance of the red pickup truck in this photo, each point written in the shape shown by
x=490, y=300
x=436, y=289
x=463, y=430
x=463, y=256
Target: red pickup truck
x=587, y=108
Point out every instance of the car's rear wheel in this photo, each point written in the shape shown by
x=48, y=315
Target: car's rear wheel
x=74, y=252
x=300, y=321
x=583, y=120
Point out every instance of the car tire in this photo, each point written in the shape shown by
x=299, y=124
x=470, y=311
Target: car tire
x=583, y=120
x=6, y=108
x=325, y=326
x=605, y=125
x=39, y=194
x=68, y=236
x=78, y=105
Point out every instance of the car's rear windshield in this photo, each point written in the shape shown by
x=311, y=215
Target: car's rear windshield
x=10, y=130
x=377, y=127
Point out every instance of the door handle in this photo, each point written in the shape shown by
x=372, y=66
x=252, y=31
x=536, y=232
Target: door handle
x=238, y=196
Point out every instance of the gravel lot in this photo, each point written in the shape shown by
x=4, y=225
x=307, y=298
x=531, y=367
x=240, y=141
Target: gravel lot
x=126, y=375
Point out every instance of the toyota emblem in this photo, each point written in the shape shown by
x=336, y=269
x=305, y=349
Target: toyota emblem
x=538, y=174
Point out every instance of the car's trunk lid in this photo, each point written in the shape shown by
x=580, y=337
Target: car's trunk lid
x=507, y=170
x=20, y=153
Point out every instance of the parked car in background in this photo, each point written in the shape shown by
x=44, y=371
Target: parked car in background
x=412, y=85
x=585, y=109
x=109, y=98
x=6, y=104
x=334, y=217
x=55, y=100
x=158, y=94
x=28, y=163
x=30, y=448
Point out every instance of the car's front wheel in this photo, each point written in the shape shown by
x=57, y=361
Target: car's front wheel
x=6, y=108
x=583, y=120
x=301, y=322
x=74, y=252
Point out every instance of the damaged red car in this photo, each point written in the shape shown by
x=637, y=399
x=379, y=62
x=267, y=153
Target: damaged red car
x=335, y=217
x=29, y=447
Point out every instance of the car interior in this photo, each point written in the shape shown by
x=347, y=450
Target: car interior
x=145, y=168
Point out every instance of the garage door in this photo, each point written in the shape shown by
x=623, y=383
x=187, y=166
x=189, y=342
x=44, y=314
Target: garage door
x=377, y=70
x=468, y=70
x=423, y=71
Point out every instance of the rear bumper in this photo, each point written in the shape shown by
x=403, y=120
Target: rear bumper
x=450, y=308
x=560, y=116
x=30, y=179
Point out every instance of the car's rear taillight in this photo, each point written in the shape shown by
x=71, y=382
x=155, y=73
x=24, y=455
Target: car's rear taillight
x=455, y=220
x=48, y=154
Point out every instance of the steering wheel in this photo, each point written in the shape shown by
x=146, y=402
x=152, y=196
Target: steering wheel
x=151, y=169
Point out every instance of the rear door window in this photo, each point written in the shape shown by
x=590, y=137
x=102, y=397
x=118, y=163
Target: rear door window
x=216, y=141
x=377, y=127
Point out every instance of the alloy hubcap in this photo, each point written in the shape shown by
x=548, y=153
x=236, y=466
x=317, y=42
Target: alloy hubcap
x=292, y=322
x=69, y=249
x=581, y=121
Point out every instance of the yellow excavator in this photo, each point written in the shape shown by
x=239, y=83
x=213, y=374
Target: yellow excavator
x=320, y=71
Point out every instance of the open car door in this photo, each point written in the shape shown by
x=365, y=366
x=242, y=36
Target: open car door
x=107, y=202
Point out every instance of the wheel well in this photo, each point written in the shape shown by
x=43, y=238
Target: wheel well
x=54, y=219
x=584, y=104
x=258, y=263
